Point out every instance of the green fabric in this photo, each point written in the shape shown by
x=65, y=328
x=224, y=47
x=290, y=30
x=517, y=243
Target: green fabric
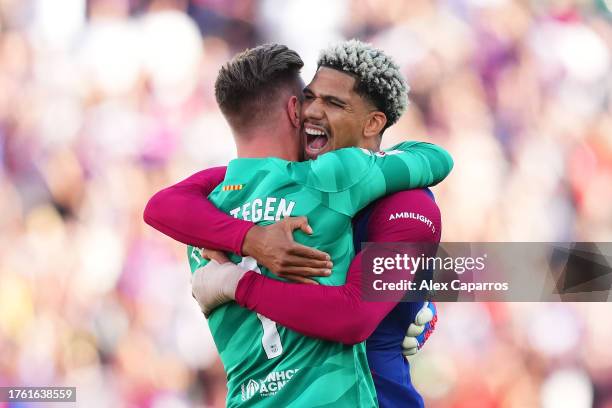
x=275, y=366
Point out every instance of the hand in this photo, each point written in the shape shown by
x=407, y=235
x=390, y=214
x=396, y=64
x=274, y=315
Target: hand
x=419, y=331
x=273, y=247
x=214, y=255
x=215, y=284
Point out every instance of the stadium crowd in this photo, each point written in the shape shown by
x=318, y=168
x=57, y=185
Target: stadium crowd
x=104, y=102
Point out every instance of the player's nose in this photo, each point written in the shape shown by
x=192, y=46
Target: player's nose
x=313, y=110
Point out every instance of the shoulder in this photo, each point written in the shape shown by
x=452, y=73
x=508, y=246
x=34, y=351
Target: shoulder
x=333, y=171
x=407, y=212
x=417, y=199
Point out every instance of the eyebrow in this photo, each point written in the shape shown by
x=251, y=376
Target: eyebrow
x=329, y=98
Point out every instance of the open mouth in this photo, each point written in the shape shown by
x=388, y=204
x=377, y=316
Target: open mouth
x=317, y=140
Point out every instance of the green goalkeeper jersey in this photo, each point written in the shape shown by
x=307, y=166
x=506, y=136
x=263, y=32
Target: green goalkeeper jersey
x=268, y=365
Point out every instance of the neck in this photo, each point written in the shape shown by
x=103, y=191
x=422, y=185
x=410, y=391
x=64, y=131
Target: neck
x=270, y=143
x=371, y=143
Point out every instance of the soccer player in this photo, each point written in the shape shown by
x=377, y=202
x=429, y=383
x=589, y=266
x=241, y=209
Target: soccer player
x=330, y=193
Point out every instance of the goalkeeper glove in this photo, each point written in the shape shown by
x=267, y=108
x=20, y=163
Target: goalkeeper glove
x=419, y=331
x=215, y=284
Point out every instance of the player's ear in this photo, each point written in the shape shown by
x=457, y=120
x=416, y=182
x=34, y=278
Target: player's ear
x=293, y=110
x=374, y=124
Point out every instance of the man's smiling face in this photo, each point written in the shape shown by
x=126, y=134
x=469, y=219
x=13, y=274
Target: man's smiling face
x=332, y=114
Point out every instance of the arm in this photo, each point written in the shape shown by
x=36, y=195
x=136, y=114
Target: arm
x=183, y=212
x=338, y=313
x=349, y=179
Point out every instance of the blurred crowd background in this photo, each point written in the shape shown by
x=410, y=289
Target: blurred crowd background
x=104, y=102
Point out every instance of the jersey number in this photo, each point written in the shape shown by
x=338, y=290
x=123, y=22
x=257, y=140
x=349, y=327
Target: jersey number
x=270, y=340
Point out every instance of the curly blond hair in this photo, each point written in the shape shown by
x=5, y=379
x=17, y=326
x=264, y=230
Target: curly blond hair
x=378, y=76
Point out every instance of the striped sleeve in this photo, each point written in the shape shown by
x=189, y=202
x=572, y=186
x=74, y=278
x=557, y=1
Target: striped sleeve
x=349, y=179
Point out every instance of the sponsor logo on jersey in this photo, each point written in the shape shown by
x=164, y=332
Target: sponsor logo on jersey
x=232, y=187
x=272, y=209
x=251, y=388
x=267, y=386
x=413, y=216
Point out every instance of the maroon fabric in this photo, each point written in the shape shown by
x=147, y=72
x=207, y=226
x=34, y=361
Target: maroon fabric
x=338, y=313
x=182, y=212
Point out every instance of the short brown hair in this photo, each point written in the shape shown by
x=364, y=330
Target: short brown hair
x=250, y=81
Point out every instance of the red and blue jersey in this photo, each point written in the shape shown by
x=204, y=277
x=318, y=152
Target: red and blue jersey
x=390, y=369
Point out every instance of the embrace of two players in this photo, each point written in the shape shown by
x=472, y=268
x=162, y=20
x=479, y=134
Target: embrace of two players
x=280, y=278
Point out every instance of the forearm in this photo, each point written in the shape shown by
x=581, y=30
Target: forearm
x=184, y=213
x=425, y=163
x=339, y=313
x=336, y=313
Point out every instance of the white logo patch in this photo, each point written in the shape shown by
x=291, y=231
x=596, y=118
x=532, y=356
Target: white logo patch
x=267, y=386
